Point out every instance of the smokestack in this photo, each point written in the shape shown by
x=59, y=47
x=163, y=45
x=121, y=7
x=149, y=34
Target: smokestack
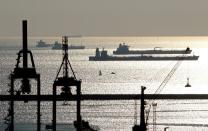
x=24, y=37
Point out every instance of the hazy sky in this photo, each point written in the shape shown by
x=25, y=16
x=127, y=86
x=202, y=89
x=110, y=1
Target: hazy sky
x=105, y=17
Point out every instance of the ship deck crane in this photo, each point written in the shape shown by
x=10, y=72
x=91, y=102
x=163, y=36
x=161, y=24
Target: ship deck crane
x=162, y=85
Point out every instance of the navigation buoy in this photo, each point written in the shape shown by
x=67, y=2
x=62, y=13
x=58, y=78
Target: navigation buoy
x=187, y=84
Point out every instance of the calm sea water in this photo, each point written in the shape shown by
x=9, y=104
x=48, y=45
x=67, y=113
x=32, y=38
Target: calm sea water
x=184, y=115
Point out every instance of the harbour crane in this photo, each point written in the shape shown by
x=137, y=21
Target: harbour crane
x=161, y=87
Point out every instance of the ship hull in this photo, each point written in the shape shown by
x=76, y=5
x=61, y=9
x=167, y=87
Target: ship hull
x=142, y=58
x=152, y=52
x=76, y=47
x=70, y=47
x=42, y=46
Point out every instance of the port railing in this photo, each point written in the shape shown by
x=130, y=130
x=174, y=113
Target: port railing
x=85, y=97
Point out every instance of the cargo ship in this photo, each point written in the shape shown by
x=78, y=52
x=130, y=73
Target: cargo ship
x=41, y=43
x=103, y=56
x=58, y=46
x=123, y=49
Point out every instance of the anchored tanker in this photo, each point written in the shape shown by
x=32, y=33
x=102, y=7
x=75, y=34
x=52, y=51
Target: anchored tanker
x=103, y=56
x=41, y=44
x=58, y=46
x=123, y=49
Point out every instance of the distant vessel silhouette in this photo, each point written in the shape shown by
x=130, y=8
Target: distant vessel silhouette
x=41, y=43
x=123, y=49
x=103, y=56
x=58, y=46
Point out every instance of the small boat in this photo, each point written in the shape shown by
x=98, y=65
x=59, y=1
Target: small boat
x=123, y=49
x=58, y=46
x=103, y=56
x=41, y=43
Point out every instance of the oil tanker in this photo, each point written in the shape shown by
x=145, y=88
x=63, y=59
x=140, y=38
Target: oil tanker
x=123, y=49
x=103, y=56
x=58, y=46
x=41, y=44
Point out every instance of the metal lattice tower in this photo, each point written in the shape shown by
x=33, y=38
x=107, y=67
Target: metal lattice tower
x=66, y=82
x=24, y=73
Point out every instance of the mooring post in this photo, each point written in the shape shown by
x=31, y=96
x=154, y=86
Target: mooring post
x=38, y=104
x=12, y=105
x=54, y=108
x=142, y=126
x=79, y=119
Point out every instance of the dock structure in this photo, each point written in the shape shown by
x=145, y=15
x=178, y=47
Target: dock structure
x=105, y=97
x=142, y=126
x=26, y=73
x=66, y=82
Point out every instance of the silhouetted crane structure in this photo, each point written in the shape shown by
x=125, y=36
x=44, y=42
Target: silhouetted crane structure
x=24, y=73
x=66, y=82
x=162, y=86
x=142, y=126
